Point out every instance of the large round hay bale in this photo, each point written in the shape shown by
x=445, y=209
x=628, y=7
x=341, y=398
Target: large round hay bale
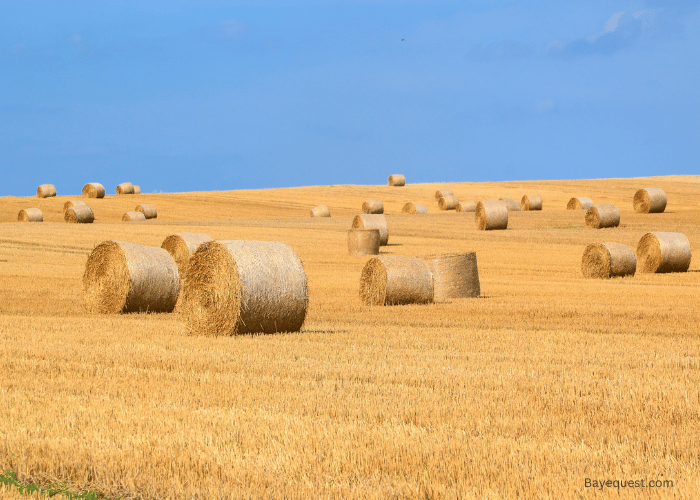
x=320, y=211
x=124, y=277
x=373, y=206
x=133, y=216
x=511, y=204
x=363, y=241
x=30, y=215
x=441, y=193
x=663, y=253
x=373, y=222
x=414, y=208
x=125, y=188
x=531, y=202
x=397, y=180
x=466, y=206
x=149, y=211
x=394, y=280
x=448, y=202
x=182, y=246
x=93, y=190
x=46, y=191
x=79, y=214
x=607, y=260
x=579, y=203
x=237, y=287
x=73, y=203
x=602, y=216
x=137, y=189
x=455, y=276
x=491, y=214
x=649, y=201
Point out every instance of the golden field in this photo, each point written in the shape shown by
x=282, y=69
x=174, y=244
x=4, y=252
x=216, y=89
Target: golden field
x=544, y=381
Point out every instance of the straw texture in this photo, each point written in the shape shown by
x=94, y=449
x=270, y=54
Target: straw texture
x=579, y=203
x=137, y=189
x=441, y=193
x=602, y=216
x=649, y=201
x=663, y=253
x=455, y=276
x=123, y=277
x=73, y=203
x=491, y=214
x=46, y=191
x=511, y=204
x=373, y=222
x=373, y=206
x=132, y=216
x=414, y=208
x=30, y=215
x=125, y=188
x=394, y=280
x=79, y=214
x=531, y=202
x=93, y=190
x=363, y=241
x=149, y=211
x=466, y=206
x=320, y=211
x=608, y=260
x=238, y=287
x=182, y=246
x=448, y=202
x=397, y=180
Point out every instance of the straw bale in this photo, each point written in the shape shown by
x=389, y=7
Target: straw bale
x=125, y=188
x=466, y=206
x=137, y=189
x=124, y=277
x=579, y=203
x=663, y=253
x=373, y=222
x=73, y=203
x=30, y=215
x=650, y=201
x=511, y=204
x=455, y=276
x=320, y=211
x=149, y=211
x=602, y=216
x=395, y=280
x=441, y=193
x=491, y=214
x=531, y=202
x=46, y=191
x=93, y=190
x=373, y=206
x=448, y=202
x=414, y=208
x=397, y=180
x=182, y=245
x=363, y=241
x=133, y=216
x=238, y=287
x=79, y=214
x=607, y=260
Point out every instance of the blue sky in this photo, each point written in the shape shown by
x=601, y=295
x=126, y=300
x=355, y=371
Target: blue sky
x=232, y=95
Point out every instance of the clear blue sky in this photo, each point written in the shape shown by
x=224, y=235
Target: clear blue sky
x=185, y=95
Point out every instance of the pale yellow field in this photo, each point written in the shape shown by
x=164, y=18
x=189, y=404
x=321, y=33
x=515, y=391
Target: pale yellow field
x=546, y=380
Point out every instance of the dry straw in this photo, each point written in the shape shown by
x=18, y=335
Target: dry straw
x=491, y=214
x=320, y=211
x=663, y=253
x=373, y=206
x=466, y=206
x=441, y=193
x=650, y=201
x=125, y=188
x=607, y=260
x=579, y=203
x=46, y=191
x=93, y=190
x=137, y=189
x=511, y=204
x=397, y=180
x=448, y=202
x=182, y=246
x=79, y=214
x=133, y=216
x=149, y=211
x=73, y=203
x=414, y=208
x=531, y=202
x=395, y=280
x=237, y=287
x=373, y=222
x=455, y=276
x=123, y=277
x=363, y=241
x=30, y=215
x=602, y=216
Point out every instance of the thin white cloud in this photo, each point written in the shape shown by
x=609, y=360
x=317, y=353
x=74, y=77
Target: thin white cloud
x=611, y=25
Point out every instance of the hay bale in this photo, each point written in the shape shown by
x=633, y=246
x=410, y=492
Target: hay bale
x=73, y=203
x=441, y=193
x=491, y=214
x=79, y=214
x=123, y=277
x=511, y=204
x=373, y=206
x=607, y=260
x=466, y=206
x=125, y=188
x=579, y=203
x=394, y=280
x=320, y=211
x=531, y=202
x=397, y=180
x=133, y=216
x=363, y=241
x=181, y=246
x=373, y=222
x=137, y=189
x=414, y=208
x=455, y=276
x=237, y=287
x=663, y=253
x=448, y=202
x=149, y=211
x=30, y=215
x=46, y=191
x=602, y=216
x=93, y=190
x=649, y=201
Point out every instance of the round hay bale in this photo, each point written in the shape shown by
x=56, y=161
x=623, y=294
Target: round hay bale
x=363, y=241
x=441, y=193
x=448, y=202
x=663, y=253
x=397, y=180
x=491, y=214
x=602, y=216
x=133, y=216
x=531, y=202
x=414, y=208
x=237, y=287
x=455, y=276
x=46, y=191
x=394, y=280
x=137, y=189
x=373, y=206
x=373, y=222
x=125, y=188
x=579, y=203
x=320, y=211
x=650, y=201
x=466, y=206
x=149, y=211
x=73, y=203
x=607, y=260
x=511, y=204
x=182, y=246
x=93, y=190
x=79, y=214
x=30, y=215
x=124, y=277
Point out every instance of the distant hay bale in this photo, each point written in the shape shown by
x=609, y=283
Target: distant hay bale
x=320, y=211
x=363, y=241
x=182, y=246
x=137, y=189
x=491, y=214
x=30, y=215
x=448, y=202
x=531, y=202
x=238, y=287
x=373, y=206
x=73, y=203
x=414, y=208
x=607, y=260
x=455, y=276
x=46, y=191
x=373, y=221
x=602, y=216
x=394, y=280
x=133, y=216
x=124, y=277
x=149, y=211
x=397, y=180
x=650, y=201
x=79, y=214
x=125, y=188
x=579, y=203
x=511, y=204
x=441, y=193
x=663, y=253
x=466, y=206
x=93, y=190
